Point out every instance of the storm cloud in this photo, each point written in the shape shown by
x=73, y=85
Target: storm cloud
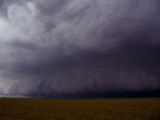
x=76, y=46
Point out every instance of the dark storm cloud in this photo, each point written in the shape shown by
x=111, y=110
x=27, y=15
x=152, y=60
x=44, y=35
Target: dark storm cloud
x=75, y=46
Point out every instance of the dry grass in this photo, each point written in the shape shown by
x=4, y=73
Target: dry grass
x=99, y=109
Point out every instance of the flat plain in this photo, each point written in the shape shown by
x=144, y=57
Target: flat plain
x=80, y=109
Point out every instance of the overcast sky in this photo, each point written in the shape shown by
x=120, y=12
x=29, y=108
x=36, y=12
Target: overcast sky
x=52, y=47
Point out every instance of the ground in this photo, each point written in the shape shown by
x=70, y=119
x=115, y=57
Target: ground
x=80, y=109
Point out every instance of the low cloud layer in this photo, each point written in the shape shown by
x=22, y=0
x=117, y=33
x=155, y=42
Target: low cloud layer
x=76, y=46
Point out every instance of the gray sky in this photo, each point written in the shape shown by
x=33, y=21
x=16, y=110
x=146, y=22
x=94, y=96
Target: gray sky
x=75, y=46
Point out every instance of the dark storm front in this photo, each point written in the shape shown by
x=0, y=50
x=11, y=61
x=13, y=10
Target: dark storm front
x=88, y=48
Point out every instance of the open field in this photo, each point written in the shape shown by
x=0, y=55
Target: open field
x=97, y=109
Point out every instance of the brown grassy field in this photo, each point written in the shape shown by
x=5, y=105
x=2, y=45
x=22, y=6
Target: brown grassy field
x=97, y=109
